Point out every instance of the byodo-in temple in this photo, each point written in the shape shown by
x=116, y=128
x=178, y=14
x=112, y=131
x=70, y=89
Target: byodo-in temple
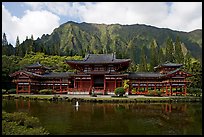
x=103, y=72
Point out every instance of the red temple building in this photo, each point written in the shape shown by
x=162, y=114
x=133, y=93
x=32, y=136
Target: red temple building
x=103, y=72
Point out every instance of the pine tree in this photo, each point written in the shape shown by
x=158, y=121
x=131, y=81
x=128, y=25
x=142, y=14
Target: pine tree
x=143, y=61
x=187, y=61
x=179, y=57
x=18, y=48
x=153, y=55
x=169, y=50
x=161, y=56
x=4, y=40
x=32, y=37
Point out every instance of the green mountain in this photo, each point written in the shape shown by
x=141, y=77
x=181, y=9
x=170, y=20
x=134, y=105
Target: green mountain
x=126, y=40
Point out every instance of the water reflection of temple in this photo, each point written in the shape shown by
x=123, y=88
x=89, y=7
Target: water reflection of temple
x=22, y=105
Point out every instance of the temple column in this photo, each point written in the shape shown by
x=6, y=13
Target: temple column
x=60, y=86
x=147, y=86
x=185, y=90
x=80, y=84
x=17, y=88
x=53, y=88
x=166, y=89
x=104, y=88
x=29, y=88
x=115, y=83
x=171, y=89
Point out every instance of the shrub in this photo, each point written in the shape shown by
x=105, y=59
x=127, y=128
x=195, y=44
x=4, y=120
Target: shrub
x=120, y=91
x=20, y=123
x=12, y=91
x=45, y=91
x=3, y=91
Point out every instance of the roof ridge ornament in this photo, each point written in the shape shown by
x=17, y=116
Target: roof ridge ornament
x=114, y=56
x=87, y=56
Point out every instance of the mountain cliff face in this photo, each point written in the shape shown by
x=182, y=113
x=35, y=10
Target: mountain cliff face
x=81, y=38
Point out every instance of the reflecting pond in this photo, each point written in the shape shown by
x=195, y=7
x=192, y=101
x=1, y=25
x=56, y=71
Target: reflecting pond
x=64, y=118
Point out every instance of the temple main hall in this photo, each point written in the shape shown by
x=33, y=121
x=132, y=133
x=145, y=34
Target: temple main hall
x=104, y=73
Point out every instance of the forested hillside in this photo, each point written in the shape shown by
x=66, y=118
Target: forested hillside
x=126, y=40
x=146, y=46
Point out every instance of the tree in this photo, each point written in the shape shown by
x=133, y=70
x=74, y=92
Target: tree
x=32, y=37
x=19, y=48
x=153, y=55
x=179, y=57
x=161, y=56
x=4, y=40
x=169, y=50
x=143, y=61
x=196, y=70
x=187, y=61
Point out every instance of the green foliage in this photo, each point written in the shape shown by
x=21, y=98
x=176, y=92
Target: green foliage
x=153, y=55
x=46, y=91
x=20, y=123
x=119, y=91
x=194, y=91
x=143, y=61
x=179, y=57
x=154, y=93
x=3, y=91
x=169, y=50
x=11, y=91
x=126, y=84
x=196, y=70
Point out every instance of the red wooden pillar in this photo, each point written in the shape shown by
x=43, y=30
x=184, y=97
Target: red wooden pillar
x=67, y=85
x=53, y=88
x=29, y=88
x=81, y=84
x=185, y=90
x=171, y=89
x=166, y=89
x=154, y=87
x=74, y=83
x=115, y=83
x=147, y=86
x=60, y=86
x=104, y=88
x=17, y=88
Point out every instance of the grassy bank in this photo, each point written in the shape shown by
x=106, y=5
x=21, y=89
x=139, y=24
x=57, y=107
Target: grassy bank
x=101, y=99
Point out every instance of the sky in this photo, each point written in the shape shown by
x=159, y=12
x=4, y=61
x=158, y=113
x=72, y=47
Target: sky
x=37, y=18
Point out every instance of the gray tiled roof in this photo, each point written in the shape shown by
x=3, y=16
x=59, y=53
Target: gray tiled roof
x=168, y=64
x=145, y=75
x=52, y=74
x=37, y=65
x=58, y=74
x=99, y=59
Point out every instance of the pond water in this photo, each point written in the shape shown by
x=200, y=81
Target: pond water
x=64, y=118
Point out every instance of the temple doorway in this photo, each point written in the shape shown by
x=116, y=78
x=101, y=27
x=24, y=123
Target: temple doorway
x=98, y=81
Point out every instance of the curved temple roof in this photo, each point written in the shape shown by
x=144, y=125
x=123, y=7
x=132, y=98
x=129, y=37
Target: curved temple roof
x=168, y=64
x=99, y=59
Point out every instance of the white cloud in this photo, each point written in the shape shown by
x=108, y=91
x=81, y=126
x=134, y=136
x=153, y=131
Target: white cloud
x=36, y=23
x=44, y=16
x=183, y=16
